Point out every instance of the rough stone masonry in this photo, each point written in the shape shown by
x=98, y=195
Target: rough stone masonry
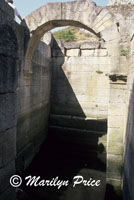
x=121, y=2
x=26, y=68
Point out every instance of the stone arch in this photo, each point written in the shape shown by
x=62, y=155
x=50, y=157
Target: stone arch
x=84, y=14
x=101, y=22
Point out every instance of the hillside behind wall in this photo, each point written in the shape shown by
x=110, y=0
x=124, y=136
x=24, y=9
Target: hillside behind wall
x=8, y=83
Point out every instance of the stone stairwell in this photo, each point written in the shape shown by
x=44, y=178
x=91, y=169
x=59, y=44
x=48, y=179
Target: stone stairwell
x=80, y=139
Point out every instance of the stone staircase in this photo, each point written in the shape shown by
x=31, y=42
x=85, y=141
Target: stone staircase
x=81, y=140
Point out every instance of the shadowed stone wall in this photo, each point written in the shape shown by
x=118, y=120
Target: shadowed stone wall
x=33, y=90
x=80, y=82
x=24, y=100
x=33, y=105
x=8, y=84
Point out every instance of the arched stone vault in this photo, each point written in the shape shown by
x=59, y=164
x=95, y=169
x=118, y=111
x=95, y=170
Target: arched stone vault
x=103, y=24
x=84, y=14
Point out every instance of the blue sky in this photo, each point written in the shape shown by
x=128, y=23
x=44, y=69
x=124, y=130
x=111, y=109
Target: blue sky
x=25, y=7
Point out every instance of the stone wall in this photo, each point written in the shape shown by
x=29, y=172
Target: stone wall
x=24, y=99
x=8, y=84
x=80, y=83
x=129, y=137
x=89, y=81
x=121, y=2
x=33, y=105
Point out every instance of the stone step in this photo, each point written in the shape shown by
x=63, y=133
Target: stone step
x=78, y=122
x=77, y=136
x=78, y=140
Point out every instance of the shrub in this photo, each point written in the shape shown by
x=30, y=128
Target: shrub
x=66, y=35
x=125, y=53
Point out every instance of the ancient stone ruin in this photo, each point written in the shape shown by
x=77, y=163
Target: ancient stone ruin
x=121, y=2
x=80, y=92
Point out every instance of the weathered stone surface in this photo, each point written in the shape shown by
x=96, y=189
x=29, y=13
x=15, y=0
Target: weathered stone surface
x=6, y=12
x=116, y=183
x=7, y=111
x=8, y=55
x=8, y=145
x=116, y=121
x=120, y=2
x=96, y=52
x=80, y=85
x=73, y=52
x=58, y=53
x=8, y=42
x=115, y=168
x=33, y=107
x=90, y=45
x=8, y=75
x=5, y=175
x=71, y=45
x=9, y=194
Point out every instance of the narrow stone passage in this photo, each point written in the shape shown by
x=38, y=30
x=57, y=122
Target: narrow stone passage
x=66, y=154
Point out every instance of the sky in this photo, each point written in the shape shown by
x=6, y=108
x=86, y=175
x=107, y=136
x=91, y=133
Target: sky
x=25, y=7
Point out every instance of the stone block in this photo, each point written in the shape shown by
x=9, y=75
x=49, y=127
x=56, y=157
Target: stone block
x=118, y=96
x=8, y=147
x=115, y=148
x=58, y=61
x=103, y=26
x=5, y=175
x=117, y=109
x=58, y=53
x=100, y=52
x=116, y=183
x=95, y=52
x=71, y=45
x=115, y=135
x=87, y=52
x=7, y=12
x=8, y=74
x=89, y=45
x=9, y=193
x=114, y=166
x=8, y=41
x=29, y=125
x=116, y=121
x=73, y=52
x=89, y=60
x=111, y=33
x=7, y=111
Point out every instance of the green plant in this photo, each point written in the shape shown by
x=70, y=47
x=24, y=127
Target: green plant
x=66, y=35
x=99, y=72
x=116, y=3
x=125, y=52
x=130, y=4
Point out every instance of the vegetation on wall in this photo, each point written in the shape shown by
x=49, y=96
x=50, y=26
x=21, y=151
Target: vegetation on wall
x=125, y=52
x=116, y=3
